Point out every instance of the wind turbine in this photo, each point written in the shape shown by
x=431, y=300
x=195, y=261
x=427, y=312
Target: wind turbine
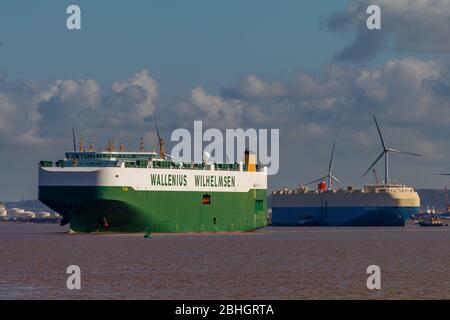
x=385, y=153
x=328, y=176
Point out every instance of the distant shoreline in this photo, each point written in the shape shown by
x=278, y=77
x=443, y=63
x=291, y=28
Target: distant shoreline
x=429, y=198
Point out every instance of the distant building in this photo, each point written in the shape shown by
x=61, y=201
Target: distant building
x=3, y=211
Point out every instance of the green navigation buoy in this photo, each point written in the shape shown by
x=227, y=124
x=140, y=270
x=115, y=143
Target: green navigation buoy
x=147, y=234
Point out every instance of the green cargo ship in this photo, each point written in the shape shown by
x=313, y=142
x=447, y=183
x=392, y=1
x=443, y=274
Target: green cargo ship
x=121, y=191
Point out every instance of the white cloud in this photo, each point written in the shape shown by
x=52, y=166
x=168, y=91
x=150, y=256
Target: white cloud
x=16, y=107
x=223, y=112
x=405, y=90
x=32, y=115
x=254, y=86
x=147, y=86
x=84, y=93
x=409, y=96
x=411, y=25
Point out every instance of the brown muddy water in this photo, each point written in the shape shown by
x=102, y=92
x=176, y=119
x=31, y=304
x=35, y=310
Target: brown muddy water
x=271, y=263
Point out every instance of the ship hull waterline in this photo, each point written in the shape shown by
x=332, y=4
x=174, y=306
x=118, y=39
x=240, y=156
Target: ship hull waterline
x=123, y=209
x=373, y=206
x=342, y=216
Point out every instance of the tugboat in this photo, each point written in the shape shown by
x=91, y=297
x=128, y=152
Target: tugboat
x=432, y=222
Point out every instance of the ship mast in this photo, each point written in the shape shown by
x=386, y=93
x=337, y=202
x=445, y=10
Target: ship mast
x=161, y=143
x=141, y=145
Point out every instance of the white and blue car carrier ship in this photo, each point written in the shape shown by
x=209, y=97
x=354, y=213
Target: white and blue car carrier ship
x=382, y=204
x=373, y=205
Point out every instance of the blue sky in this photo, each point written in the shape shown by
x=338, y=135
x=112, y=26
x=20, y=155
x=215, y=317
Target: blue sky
x=310, y=68
x=183, y=43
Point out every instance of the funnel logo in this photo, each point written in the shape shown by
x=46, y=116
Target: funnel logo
x=227, y=148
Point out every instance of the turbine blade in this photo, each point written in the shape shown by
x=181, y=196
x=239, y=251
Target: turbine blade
x=404, y=152
x=330, y=167
x=314, y=181
x=157, y=131
x=379, y=132
x=337, y=180
x=74, y=141
x=374, y=163
x=441, y=174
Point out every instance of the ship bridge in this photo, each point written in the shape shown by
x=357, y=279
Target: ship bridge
x=388, y=188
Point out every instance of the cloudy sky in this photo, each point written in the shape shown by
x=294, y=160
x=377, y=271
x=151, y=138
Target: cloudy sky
x=310, y=68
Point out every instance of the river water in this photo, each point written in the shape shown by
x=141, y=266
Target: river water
x=271, y=263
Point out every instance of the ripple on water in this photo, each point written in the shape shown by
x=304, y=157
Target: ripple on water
x=272, y=263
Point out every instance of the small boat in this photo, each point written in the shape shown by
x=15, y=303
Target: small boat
x=147, y=234
x=432, y=222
